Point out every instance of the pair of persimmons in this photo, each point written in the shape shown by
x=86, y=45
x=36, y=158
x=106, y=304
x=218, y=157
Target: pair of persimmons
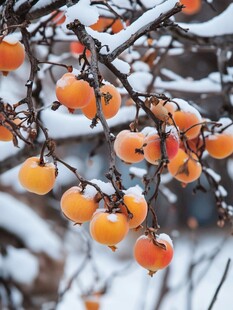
x=107, y=227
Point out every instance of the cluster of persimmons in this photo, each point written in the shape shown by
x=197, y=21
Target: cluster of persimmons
x=179, y=144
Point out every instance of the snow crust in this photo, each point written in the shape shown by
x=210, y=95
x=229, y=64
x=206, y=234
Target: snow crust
x=165, y=237
x=112, y=218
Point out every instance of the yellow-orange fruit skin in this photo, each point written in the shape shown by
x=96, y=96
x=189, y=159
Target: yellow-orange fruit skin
x=125, y=146
x=92, y=304
x=219, y=145
x=77, y=48
x=185, y=168
x=185, y=120
x=5, y=133
x=109, y=229
x=109, y=108
x=150, y=256
x=73, y=93
x=191, y=6
x=137, y=206
x=35, y=178
x=76, y=206
x=12, y=55
x=152, y=149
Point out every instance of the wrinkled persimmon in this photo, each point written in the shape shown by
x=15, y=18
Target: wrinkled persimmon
x=127, y=146
x=77, y=205
x=152, y=256
x=109, y=228
x=37, y=178
x=12, y=55
x=110, y=102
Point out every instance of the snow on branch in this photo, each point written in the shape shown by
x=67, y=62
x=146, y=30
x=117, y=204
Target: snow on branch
x=22, y=221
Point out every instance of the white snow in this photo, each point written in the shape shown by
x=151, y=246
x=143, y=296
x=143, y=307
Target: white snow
x=112, y=218
x=138, y=172
x=186, y=107
x=225, y=121
x=121, y=66
x=19, y=265
x=106, y=188
x=213, y=174
x=82, y=11
x=116, y=40
x=217, y=26
x=165, y=237
x=19, y=219
x=135, y=191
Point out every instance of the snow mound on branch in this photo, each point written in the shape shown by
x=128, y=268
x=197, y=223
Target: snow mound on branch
x=17, y=218
x=84, y=12
x=138, y=172
x=217, y=26
x=15, y=258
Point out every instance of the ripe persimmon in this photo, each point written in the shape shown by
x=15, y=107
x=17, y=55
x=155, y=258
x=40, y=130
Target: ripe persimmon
x=185, y=168
x=102, y=24
x=152, y=146
x=191, y=6
x=77, y=205
x=72, y=92
x=37, y=178
x=150, y=255
x=92, y=303
x=127, y=146
x=77, y=48
x=219, y=145
x=12, y=55
x=136, y=204
x=109, y=228
x=110, y=102
x=187, y=122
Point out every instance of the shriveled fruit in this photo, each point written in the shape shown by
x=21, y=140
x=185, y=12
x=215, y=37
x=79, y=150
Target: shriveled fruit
x=219, y=145
x=185, y=168
x=153, y=253
x=109, y=228
x=162, y=110
x=77, y=205
x=136, y=204
x=72, y=92
x=12, y=55
x=37, y=178
x=110, y=102
x=128, y=146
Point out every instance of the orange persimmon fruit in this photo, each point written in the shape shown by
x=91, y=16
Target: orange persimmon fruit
x=72, y=92
x=150, y=255
x=109, y=228
x=77, y=48
x=191, y=6
x=37, y=178
x=110, y=102
x=185, y=168
x=127, y=146
x=219, y=145
x=77, y=205
x=12, y=55
x=137, y=205
x=152, y=146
